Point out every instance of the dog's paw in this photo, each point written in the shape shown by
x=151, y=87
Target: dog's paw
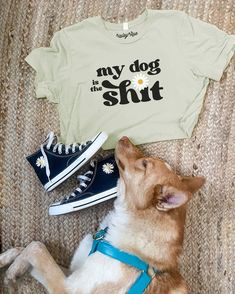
x=9, y=256
x=16, y=269
x=9, y=279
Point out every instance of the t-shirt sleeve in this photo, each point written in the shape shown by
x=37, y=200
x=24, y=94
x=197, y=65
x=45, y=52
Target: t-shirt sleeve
x=51, y=66
x=207, y=49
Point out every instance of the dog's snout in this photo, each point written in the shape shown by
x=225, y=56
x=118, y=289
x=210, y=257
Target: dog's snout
x=124, y=138
x=124, y=141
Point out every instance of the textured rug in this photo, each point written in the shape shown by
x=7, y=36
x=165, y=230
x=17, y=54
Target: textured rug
x=209, y=248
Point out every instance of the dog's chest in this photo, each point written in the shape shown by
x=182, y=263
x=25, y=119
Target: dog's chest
x=98, y=270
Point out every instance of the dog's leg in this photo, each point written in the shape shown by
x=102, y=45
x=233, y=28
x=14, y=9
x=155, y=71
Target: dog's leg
x=9, y=256
x=81, y=253
x=85, y=246
x=36, y=259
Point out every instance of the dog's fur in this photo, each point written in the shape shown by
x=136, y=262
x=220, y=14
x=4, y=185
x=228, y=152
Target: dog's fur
x=147, y=220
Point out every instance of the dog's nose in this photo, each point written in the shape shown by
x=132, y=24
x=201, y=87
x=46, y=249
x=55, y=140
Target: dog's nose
x=124, y=138
x=125, y=141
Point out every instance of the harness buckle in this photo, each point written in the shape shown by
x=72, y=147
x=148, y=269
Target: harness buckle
x=100, y=234
x=151, y=272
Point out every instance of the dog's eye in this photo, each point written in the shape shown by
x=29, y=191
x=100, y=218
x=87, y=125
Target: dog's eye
x=141, y=164
x=144, y=162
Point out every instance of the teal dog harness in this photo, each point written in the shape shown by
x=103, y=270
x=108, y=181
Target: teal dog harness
x=147, y=273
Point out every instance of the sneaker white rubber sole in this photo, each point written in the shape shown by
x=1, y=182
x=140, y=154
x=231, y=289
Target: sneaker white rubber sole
x=96, y=144
x=57, y=208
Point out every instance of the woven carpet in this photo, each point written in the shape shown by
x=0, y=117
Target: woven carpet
x=208, y=260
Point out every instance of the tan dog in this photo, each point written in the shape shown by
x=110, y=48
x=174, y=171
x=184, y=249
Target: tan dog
x=147, y=221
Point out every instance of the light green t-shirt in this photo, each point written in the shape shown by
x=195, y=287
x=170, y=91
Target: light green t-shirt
x=145, y=79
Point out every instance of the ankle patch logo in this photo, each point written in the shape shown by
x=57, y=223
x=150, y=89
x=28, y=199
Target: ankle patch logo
x=126, y=35
x=40, y=162
x=108, y=168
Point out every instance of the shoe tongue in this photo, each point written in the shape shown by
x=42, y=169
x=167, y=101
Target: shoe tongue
x=54, y=140
x=51, y=136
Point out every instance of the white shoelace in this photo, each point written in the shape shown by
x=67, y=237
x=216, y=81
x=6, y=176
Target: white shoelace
x=83, y=179
x=50, y=139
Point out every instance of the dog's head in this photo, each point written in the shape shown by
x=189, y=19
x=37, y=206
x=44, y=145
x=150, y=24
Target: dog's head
x=150, y=182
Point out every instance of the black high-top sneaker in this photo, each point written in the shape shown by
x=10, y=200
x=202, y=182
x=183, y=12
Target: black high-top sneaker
x=55, y=162
x=97, y=185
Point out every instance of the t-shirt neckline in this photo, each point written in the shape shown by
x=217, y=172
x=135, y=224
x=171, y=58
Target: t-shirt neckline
x=127, y=36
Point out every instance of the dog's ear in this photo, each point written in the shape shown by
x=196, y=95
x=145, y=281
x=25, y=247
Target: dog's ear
x=168, y=197
x=193, y=184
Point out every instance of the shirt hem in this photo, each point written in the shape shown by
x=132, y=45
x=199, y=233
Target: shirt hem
x=176, y=135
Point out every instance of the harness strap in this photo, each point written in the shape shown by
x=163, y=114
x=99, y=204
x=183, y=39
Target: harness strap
x=106, y=248
x=140, y=284
x=122, y=256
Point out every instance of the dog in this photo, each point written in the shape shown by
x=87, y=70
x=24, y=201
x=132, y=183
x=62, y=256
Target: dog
x=147, y=222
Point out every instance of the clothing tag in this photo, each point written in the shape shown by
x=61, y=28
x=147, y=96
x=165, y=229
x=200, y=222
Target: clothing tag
x=125, y=26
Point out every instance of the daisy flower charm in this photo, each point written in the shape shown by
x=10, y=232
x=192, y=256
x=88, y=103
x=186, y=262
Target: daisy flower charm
x=140, y=81
x=108, y=168
x=40, y=162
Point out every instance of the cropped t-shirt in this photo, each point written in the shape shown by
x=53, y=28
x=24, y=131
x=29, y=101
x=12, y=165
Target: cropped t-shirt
x=145, y=79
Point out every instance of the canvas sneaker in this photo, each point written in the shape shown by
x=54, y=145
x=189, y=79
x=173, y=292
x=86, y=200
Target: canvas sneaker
x=95, y=186
x=55, y=162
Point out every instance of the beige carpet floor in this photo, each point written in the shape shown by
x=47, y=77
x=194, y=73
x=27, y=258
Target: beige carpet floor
x=208, y=261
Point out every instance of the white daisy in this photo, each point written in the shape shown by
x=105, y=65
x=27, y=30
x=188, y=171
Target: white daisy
x=108, y=168
x=40, y=162
x=140, y=81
